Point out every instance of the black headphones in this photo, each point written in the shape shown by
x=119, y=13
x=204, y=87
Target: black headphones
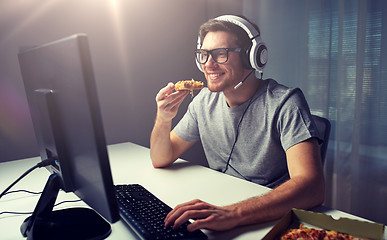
x=256, y=55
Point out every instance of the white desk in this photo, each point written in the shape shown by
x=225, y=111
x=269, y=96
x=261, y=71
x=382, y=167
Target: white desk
x=131, y=163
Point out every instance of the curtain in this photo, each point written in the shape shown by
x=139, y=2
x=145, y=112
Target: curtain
x=336, y=52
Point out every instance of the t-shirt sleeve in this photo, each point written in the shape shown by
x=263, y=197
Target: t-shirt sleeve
x=295, y=123
x=187, y=127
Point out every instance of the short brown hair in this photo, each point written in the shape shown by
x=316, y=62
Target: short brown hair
x=213, y=25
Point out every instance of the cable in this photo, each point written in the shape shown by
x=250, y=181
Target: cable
x=44, y=163
x=21, y=190
x=67, y=201
x=236, y=138
x=21, y=213
x=237, y=133
x=16, y=213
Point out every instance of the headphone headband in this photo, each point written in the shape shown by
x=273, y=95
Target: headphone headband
x=245, y=25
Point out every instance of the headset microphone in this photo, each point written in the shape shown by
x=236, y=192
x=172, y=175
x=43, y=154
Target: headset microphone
x=241, y=82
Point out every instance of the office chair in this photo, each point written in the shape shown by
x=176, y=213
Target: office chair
x=324, y=128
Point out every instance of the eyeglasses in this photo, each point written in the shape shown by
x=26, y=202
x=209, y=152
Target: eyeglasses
x=220, y=55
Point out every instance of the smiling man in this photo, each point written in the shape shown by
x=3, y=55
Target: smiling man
x=251, y=128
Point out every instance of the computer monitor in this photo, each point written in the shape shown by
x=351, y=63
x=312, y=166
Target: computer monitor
x=63, y=102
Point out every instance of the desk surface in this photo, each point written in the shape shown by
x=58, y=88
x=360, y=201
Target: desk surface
x=130, y=163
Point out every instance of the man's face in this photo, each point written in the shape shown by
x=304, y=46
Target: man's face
x=222, y=76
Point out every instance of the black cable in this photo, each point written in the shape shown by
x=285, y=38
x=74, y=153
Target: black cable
x=15, y=213
x=236, y=138
x=22, y=190
x=67, y=201
x=49, y=161
x=22, y=213
x=44, y=163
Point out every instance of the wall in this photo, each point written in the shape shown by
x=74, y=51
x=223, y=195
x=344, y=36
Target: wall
x=137, y=47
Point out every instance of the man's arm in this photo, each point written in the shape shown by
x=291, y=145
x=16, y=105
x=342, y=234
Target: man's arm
x=165, y=145
x=304, y=189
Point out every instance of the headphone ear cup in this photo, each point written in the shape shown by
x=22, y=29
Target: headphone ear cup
x=245, y=53
x=198, y=65
x=258, y=55
x=262, y=56
x=198, y=46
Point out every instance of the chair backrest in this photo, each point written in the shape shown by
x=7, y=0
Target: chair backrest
x=324, y=128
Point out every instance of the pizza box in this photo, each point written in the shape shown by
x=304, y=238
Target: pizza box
x=295, y=217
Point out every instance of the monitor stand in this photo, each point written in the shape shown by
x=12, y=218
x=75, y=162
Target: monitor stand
x=70, y=223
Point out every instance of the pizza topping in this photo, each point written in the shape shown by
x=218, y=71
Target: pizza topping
x=310, y=233
x=189, y=85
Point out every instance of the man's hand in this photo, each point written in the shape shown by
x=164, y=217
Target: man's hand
x=166, y=146
x=205, y=215
x=168, y=102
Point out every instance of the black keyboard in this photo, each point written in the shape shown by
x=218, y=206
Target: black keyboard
x=145, y=214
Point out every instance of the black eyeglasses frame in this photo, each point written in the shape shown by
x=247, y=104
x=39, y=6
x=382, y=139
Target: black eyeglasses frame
x=210, y=52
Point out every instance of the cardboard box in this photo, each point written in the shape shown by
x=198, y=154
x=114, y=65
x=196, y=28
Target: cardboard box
x=315, y=220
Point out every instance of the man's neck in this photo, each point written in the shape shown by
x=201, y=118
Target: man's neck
x=238, y=96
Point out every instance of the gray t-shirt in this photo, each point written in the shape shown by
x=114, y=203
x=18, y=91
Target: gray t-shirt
x=273, y=120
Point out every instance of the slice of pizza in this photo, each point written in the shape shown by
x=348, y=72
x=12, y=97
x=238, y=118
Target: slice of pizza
x=189, y=85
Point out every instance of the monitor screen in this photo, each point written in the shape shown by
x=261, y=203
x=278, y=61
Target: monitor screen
x=62, y=97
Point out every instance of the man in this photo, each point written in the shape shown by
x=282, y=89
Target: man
x=260, y=131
